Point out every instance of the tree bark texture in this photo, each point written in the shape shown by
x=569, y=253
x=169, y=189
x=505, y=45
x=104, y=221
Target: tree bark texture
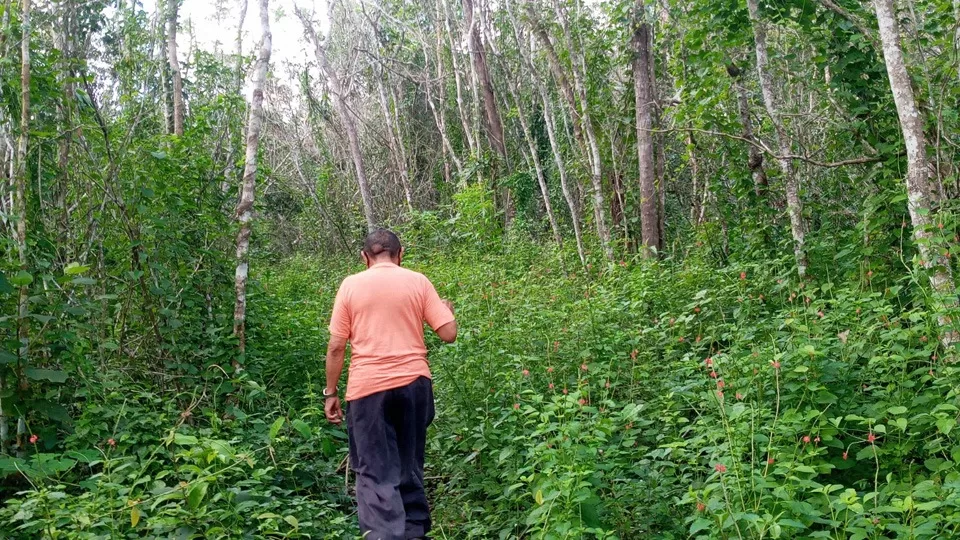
x=176, y=79
x=649, y=201
x=244, y=211
x=791, y=183
x=754, y=156
x=921, y=196
x=478, y=55
x=346, y=117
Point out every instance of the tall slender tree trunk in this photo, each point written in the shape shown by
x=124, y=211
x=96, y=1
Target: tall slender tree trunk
x=579, y=71
x=458, y=83
x=228, y=167
x=754, y=156
x=64, y=118
x=568, y=194
x=791, y=182
x=478, y=54
x=20, y=207
x=244, y=212
x=173, y=10
x=394, y=143
x=346, y=117
x=695, y=199
x=921, y=195
x=535, y=160
x=649, y=201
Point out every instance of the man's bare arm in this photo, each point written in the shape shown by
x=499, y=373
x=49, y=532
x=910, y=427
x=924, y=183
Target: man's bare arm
x=336, y=349
x=448, y=332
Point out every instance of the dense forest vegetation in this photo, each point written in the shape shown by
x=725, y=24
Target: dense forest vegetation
x=700, y=252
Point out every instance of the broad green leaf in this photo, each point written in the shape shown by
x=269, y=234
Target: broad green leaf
x=275, y=427
x=51, y=375
x=196, y=494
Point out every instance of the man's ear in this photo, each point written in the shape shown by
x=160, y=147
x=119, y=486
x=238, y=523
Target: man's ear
x=365, y=258
x=400, y=256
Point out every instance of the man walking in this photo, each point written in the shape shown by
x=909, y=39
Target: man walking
x=381, y=312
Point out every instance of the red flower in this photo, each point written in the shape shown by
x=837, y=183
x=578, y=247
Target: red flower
x=550, y=386
x=111, y=442
x=817, y=439
x=871, y=437
x=34, y=439
x=629, y=425
x=769, y=461
x=583, y=402
x=633, y=354
x=719, y=394
x=583, y=366
x=623, y=264
x=708, y=361
x=775, y=364
x=806, y=439
x=516, y=406
x=844, y=456
x=526, y=373
x=820, y=314
x=556, y=346
x=698, y=339
x=713, y=374
x=550, y=369
x=606, y=384
x=680, y=339
x=720, y=468
x=743, y=276
x=701, y=507
x=931, y=373
x=739, y=396
x=564, y=391
x=721, y=384
x=696, y=309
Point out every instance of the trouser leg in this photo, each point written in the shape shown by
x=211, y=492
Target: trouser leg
x=412, y=413
x=376, y=461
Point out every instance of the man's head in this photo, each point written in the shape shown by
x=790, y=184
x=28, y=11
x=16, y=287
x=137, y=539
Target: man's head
x=381, y=246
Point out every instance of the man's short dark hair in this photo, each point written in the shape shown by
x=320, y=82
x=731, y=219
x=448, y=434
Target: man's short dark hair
x=380, y=241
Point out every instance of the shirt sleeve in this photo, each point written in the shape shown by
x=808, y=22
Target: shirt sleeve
x=340, y=318
x=434, y=312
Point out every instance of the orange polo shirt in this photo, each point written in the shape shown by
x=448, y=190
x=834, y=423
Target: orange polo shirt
x=381, y=312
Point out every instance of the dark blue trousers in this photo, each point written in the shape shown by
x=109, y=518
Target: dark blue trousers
x=388, y=432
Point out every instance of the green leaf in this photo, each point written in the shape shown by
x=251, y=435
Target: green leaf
x=946, y=425
x=5, y=287
x=51, y=375
x=196, y=495
x=75, y=269
x=302, y=428
x=700, y=524
x=899, y=409
x=292, y=521
x=275, y=427
x=184, y=440
x=22, y=279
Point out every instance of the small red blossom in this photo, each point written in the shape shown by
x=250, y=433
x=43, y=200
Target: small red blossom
x=806, y=439
x=556, y=346
x=633, y=354
x=713, y=374
x=112, y=442
x=526, y=373
x=923, y=339
x=516, y=406
x=743, y=276
x=629, y=425
x=775, y=364
x=720, y=394
x=680, y=339
x=844, y=455
x=582, y=402
x=871, y=437
x=606, y=384
x=623, y=264
x=720, y=468
x=820, y=314
x=931, y=373
x=34, y=439
x=550, y=369
x=672, y=320
x=583, y=366
x=564, y=391
x=696, y=309
x=550, y=386
x=739, y=396
x=698, y=339
x=769, y=461
x=816, y=439
x=721, y=384
x=701, y=507
x=708, y=361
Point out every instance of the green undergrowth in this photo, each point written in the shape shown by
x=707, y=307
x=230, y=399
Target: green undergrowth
x=623, y=400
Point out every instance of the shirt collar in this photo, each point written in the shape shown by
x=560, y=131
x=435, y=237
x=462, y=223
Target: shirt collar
x=381, y=265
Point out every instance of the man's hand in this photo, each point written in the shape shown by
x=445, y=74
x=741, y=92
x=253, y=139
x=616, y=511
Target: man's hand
x=449, y=305
x=331, y=408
